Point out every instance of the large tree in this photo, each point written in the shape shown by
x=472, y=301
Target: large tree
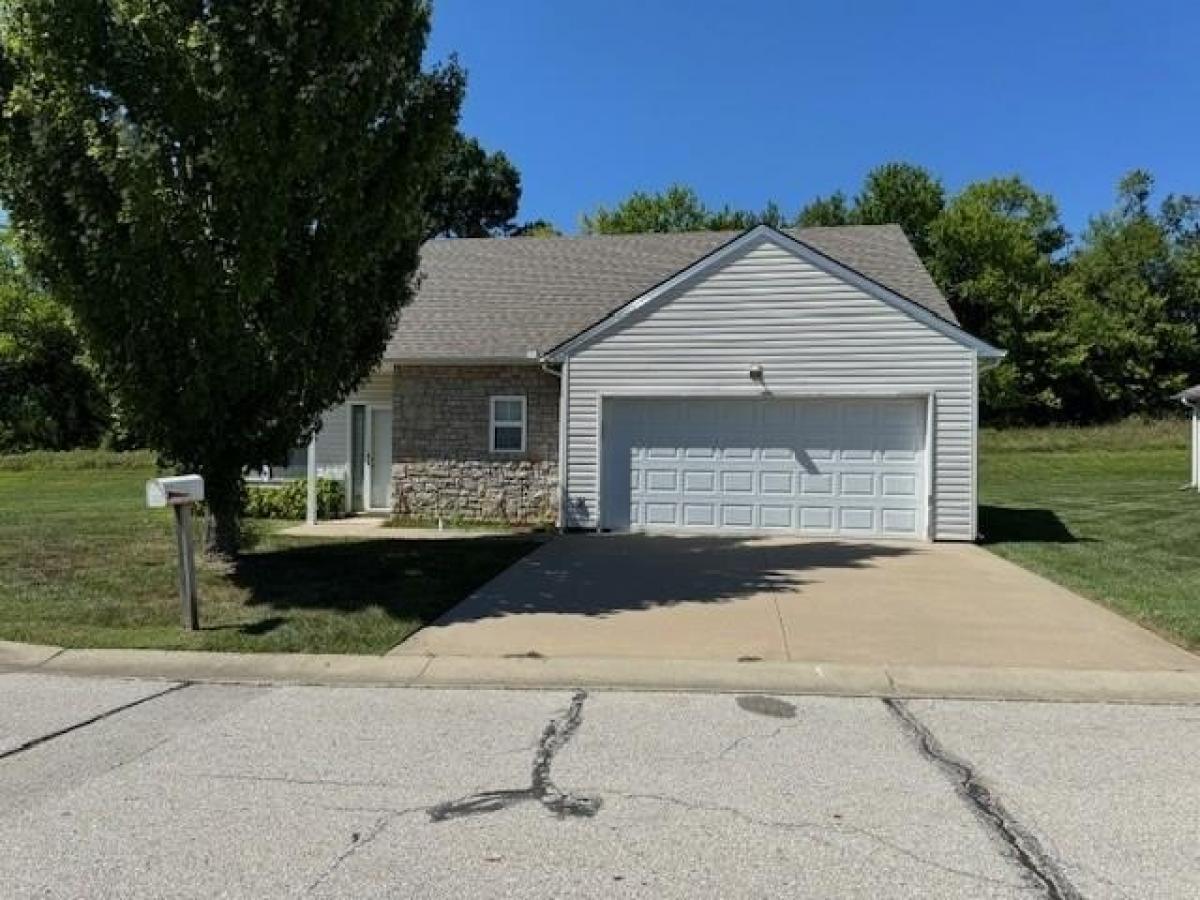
x=995, y=252
x=905, y=194
x=230, y=198
x=1134, y=304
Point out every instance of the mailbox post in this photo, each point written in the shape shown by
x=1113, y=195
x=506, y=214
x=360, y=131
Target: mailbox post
x=180, y=492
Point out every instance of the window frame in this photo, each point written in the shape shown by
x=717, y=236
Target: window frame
x=493, y=424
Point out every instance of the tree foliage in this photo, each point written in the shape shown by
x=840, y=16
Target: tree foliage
x=678, y=208
x=476, y=193
x=229, y=197
x=1133, y=304
x=994, y=254
x=50, y=398
x=536, y=229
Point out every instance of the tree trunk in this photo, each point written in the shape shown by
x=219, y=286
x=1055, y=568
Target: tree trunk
x=222, y=526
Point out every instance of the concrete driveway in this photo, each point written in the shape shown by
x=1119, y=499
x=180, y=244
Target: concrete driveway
x=868, y=603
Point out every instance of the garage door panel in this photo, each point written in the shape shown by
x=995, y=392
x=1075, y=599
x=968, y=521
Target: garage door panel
x=775, y=516
x=662, y=514
x=858, y=484
x=899, y=485
x=660, y=480
x=737, y=482
x=775, y=483
x=821, y=467
x=816, y=518
x=816, y=485
x=699, y=514
x=699, y=482
x=898, y=521
x=856, y=518
x=737, y=516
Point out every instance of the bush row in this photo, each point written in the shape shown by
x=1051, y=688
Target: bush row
x=289, y=500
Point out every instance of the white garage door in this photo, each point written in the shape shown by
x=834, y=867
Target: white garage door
x=822, y=467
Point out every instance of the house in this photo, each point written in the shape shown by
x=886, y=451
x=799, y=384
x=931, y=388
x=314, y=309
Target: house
x=1191, y=397
x=812, y=381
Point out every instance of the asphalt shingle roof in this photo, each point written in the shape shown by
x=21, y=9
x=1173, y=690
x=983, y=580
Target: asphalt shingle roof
x=490, y=298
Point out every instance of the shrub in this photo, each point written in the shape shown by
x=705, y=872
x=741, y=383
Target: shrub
x=289, y=500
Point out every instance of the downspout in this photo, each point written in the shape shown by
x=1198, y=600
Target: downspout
x=563, y=374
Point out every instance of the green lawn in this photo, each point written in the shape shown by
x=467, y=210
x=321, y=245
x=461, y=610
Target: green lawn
x=83, y=563
x=1100, y=510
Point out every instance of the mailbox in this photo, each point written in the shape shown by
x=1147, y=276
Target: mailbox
x=180, y=492
x=174, y=490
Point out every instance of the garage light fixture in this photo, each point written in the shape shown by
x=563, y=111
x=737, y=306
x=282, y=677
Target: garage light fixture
x=756, y=374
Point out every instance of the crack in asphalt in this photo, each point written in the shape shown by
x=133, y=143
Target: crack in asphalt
x=814, y=829
x=359, y=840
x=116, y=710
x=542, y=789
x=288, y=779
x=1023, y=846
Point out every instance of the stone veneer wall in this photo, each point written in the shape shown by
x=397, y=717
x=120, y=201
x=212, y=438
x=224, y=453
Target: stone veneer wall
x=441, y=464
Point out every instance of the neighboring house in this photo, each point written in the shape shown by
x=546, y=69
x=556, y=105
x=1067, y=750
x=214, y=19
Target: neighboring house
x=1191, y=397
x=811, y=381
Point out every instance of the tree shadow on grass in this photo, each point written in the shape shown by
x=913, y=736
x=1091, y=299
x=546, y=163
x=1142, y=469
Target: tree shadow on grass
x=1007, y=524
x=590, y=575
x=251, y=629
x=406, y=579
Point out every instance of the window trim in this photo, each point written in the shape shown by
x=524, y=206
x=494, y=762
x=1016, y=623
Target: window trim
x=493, y=424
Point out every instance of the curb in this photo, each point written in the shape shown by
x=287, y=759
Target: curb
x=603, y=673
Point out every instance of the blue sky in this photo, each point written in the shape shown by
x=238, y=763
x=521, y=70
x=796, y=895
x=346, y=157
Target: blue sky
x=749, y=102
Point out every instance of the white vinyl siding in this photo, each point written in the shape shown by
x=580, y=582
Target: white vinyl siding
x=333, y=441
x=813, y=334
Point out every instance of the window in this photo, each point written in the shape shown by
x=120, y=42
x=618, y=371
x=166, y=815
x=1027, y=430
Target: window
x=508, y=425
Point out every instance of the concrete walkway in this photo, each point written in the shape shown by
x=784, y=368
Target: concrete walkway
x=876, y=604
x=377, y=527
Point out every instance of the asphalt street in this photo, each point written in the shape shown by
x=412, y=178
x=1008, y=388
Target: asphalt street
x=122, y=788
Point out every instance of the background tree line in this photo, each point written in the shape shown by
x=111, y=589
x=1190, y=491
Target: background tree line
x=1097, y=328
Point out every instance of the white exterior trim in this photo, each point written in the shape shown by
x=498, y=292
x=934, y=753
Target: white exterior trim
x=493, y=423
x=369, y=501
x=564, y=393
x=975, y=449
x=1196, y=447
x=761, y=233
x=930, y=446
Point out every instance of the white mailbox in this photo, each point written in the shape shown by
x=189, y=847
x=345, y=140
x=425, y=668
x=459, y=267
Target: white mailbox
x=174, y=490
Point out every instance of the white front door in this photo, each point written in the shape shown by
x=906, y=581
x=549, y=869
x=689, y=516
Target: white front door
x=849, y=467
x=379, y=460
